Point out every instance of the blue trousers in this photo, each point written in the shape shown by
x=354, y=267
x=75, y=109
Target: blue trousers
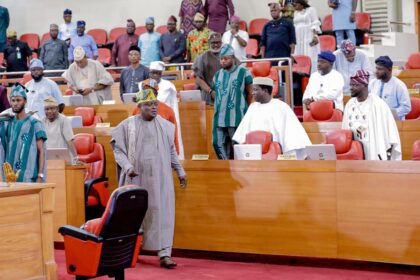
x=339, y=34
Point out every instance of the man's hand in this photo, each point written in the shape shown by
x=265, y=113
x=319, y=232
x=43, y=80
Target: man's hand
x=167, y=59
x=131, y=173
x=352, y=17
x=87, y=91
x=307, y=102
x=234, y=32
x=38, y=180
x=315, y=41
x=183, y=181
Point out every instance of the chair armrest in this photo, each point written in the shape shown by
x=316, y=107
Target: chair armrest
x=79, y=233
x=89, y=183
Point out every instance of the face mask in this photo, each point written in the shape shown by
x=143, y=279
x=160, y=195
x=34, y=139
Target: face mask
x=37, y=77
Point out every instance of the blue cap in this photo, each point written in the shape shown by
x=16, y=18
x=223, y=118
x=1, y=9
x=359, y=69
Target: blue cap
x=384, y=61
x=227, y=50
x=36, y=63
x=327, y=55
x=150, y=20
x=67, y=12
x=18, y=90
x=81, y=23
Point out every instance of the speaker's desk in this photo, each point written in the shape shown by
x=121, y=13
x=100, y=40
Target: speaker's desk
x=26, y=232
x=356, y=210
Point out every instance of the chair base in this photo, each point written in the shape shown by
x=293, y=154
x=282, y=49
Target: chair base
x=119, y=275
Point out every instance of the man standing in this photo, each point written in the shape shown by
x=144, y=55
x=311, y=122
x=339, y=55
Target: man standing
x=68, y=28
x=327, y=83
x=88, y=78
x=278, y=37
x=389, y=88
x=85, y=41
x=149, y=43
x=24, y=140
x=122, y=45
x=206, y=65
x=232, y=94
x=197, y=41
x=144, y=150
x=238, y=39
x=39, y=88
x=371, y=121
x=16, y=54
x=4, y=24
x=275, y=116
x=218, y=13
x=172, y=44
x=349, y=60
x=54, y=52
x=133, y=74
x=4, y=100
x=344, y=18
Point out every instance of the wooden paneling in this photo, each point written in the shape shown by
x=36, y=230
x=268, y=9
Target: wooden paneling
x=410, y=77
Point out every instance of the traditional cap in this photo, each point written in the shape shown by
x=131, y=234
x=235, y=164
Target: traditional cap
x=151, y=83
x=327, y=55
x=134, y=48
x=18, y=90
x=81, y=23
x=263, y=81
x=361, y=77
x=199, y=17
x=347, y=46
x=129, y=20
x=36, y=63
x=384, y=61
x=67, y=12
x=235, y=18
x=150, y=20
x=227, y=50
x=53, y=26
x=271, y=2
x=173, y=18
x=50, y=101
x=157, y=65
x=145, y=95
x=304, y=3
x=215, y=35
x=11, y=33
x=78, y=53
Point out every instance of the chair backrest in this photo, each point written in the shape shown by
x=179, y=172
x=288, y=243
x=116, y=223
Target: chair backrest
x=327, y=24
x=115, y=33
x=415, y=151
x=270, y=150
x=256, y=26
x=413, y=61
x=243, y=26
x=415, y=109
x=323, y=111
x=26, y=78
x=252, y=48
x=99, y=35
x=162, y=29
x=264, y=69
x=302, y=65
x=31, y=39
x=189, y=86
x=45, y=37
x=104, y=56
x=140, y=30
x=88, y=116
x=327, y=43
x=345, y=146
x=363, y=21
x=1, y=58
x=91, y=153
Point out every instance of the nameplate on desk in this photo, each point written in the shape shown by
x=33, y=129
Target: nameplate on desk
x=287, y=157
x=200, y=157
x=414, y=91
x=108, y=102
x=105, y=124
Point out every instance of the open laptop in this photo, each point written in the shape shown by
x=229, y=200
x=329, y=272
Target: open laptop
x=321, y=152
x=247, y=152
x=73, y=100
x=190, y=95
x=58, y=154
x=76, y=121
x=128, y=98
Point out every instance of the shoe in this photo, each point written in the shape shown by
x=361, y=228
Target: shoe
x=167, y=262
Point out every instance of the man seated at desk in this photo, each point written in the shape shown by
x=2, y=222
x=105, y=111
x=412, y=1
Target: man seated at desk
x=275, y=116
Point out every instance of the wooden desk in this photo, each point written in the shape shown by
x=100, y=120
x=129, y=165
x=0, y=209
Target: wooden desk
x=26, y=232
x=69, y=203
x=344, y=210
x=410, y=77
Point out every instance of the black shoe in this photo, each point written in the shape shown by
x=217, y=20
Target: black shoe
x=167, y=262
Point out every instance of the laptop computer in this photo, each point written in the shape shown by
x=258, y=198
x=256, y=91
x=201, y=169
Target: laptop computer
x=73, y=100
x=321, y=152
x=190, y=95
x=128, y=98
x=58, y=154
x=247, y=152
x=76, y=121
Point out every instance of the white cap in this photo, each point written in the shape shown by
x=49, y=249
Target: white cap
x=262, y=81
x=78, y=53
x=157, y=65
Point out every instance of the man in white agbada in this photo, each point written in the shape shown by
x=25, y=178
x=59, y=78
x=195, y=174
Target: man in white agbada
x=144, y=149
x=275, y=116
x=371, y=121
x=89, y=78
x=166, y=94
x=327, y=83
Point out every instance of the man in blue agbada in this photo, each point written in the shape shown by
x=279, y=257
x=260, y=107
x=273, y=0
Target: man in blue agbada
x=23, y=140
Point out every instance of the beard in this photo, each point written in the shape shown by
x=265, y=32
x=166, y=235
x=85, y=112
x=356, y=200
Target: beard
x=18, y=110
x=37, y=78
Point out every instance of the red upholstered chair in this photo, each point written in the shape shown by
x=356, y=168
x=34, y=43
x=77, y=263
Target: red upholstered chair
x=96, y=184
x=327, y=24
x=302, y=66
x=45, y=37
x=104, y=56
x=99, y=35
x=327, y=43
x=345, y=146
x=415, y=151
x=363, y=22
x=31, y=39
x=243, y=26
x=189, y=87
x=252, y=48
x=88, y=115
x=256, y=26
x=111, y=243
x=26, y=78
x=264, y=69
x=115, y=33
x=270, y=149
x=140, y=30
x=323, y=111
x=415, y=109
x=413, y=61
x=162, y=29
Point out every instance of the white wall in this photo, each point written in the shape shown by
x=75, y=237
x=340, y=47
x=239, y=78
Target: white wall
x=34, y=16
x=409, y=15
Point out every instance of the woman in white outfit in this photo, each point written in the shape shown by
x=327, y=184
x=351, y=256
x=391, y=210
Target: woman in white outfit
x=307, y=28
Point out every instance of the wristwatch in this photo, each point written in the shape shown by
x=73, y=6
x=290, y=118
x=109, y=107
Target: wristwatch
x=41, y=175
